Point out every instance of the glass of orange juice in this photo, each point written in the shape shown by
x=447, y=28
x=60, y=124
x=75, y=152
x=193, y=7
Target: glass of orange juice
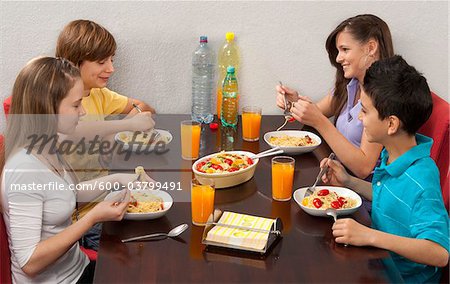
x=190, y=139
x=251, y=123
x=202, y=200
x=282, y=177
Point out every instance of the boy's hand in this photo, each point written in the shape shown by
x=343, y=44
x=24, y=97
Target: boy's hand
x=336, y=174
x=142, y=121
x=348, y=231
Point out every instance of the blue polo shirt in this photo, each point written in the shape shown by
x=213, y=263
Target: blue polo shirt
x=407, y=201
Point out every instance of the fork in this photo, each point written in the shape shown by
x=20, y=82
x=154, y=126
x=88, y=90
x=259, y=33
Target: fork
x=310, y=190
x=145, y=134
x=287, y=113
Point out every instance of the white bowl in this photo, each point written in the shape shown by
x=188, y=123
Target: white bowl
x=293, y=150
x=167, y=201
x=222, y=180
x=125, y=137
x=341, y=191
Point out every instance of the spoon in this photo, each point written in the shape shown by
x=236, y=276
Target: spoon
x=331, y=212
x=175, y=232
x=270, y=152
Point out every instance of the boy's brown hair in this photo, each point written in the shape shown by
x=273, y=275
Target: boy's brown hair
x=85, y=40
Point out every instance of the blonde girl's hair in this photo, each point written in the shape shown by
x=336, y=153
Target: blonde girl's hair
x=362, y=28
x=85, y=40
x=37, y=93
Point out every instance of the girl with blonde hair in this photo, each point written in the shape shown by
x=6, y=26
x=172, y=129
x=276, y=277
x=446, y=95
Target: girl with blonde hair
x=39, y=191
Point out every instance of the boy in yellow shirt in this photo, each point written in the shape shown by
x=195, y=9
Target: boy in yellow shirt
x=92, y=48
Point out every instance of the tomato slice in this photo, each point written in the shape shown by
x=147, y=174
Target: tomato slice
x=323, y=192
x=228, y=161
x=342, y=201
x=249, y=161
x=233, y=169
x=335, y=204
x=200, y=165
x=217, y=167
x=317, y=202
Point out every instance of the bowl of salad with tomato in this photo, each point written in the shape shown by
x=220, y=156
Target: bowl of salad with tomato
x=226, y=168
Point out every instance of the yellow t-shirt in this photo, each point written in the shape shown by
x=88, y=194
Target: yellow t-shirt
x=103, y=102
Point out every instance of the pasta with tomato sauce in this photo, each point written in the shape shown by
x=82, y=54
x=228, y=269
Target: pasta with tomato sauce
x=324, y=199
x=291, y=141
x=143, y=202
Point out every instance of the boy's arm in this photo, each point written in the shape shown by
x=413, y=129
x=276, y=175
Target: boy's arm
x=417, y=250
x=348, y=231
x=91, y=129
x=130, y=109
x=361, y=187
x=337, y=175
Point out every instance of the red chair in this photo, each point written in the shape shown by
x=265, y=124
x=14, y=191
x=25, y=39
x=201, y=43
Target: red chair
x=7, y=105
x=437, y=127
x=90, y=253
x=5, y=259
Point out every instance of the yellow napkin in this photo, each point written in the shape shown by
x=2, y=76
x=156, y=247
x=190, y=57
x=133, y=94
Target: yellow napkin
x=242, y=238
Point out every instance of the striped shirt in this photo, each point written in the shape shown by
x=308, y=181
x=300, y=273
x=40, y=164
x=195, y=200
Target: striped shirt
x=407, y=202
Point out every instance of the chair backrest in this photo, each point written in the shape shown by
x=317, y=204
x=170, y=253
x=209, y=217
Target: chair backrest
x=7, y=105
x=5, y=259
x=437, y=127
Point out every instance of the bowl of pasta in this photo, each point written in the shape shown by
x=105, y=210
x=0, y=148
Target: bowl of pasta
x=143, y=141
x=227, y=169
x=293, y=142
x=344, y=200
x=146, y=204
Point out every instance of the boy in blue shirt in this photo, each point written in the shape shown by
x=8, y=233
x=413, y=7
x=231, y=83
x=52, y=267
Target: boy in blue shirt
x=408, y=214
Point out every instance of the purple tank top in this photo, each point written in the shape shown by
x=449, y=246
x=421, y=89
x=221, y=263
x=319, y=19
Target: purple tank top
x=348, y=123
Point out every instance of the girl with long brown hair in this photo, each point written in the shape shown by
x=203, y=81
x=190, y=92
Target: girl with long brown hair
x=352, y=47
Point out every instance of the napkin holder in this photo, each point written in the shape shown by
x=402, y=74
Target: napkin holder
x=274, y=236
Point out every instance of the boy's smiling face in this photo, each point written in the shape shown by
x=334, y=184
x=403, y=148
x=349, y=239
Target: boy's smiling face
x=374, y=128
x=95, y=74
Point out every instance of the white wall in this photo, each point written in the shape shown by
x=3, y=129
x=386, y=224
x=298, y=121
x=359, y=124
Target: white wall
x=279, y=40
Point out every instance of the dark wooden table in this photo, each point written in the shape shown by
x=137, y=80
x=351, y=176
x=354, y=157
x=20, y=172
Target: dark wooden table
x=306, y=253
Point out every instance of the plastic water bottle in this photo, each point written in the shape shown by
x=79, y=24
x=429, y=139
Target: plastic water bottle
x=228, y=56
x=229, y=114
x=203, y=69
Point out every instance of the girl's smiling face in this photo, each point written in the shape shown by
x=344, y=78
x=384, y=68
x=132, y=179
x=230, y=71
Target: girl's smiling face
x=355, y=57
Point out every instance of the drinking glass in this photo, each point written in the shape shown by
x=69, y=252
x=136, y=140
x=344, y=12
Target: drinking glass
x=202, y=200
x=282, y=177
x=190, y=139
x=251, y=123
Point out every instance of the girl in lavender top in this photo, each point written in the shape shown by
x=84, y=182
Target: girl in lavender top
x=352, y=47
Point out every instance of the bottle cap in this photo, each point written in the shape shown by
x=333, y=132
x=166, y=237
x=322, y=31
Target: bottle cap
x=203, y=39
x=229, y=36
x=230, y=69
x=213, y=126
